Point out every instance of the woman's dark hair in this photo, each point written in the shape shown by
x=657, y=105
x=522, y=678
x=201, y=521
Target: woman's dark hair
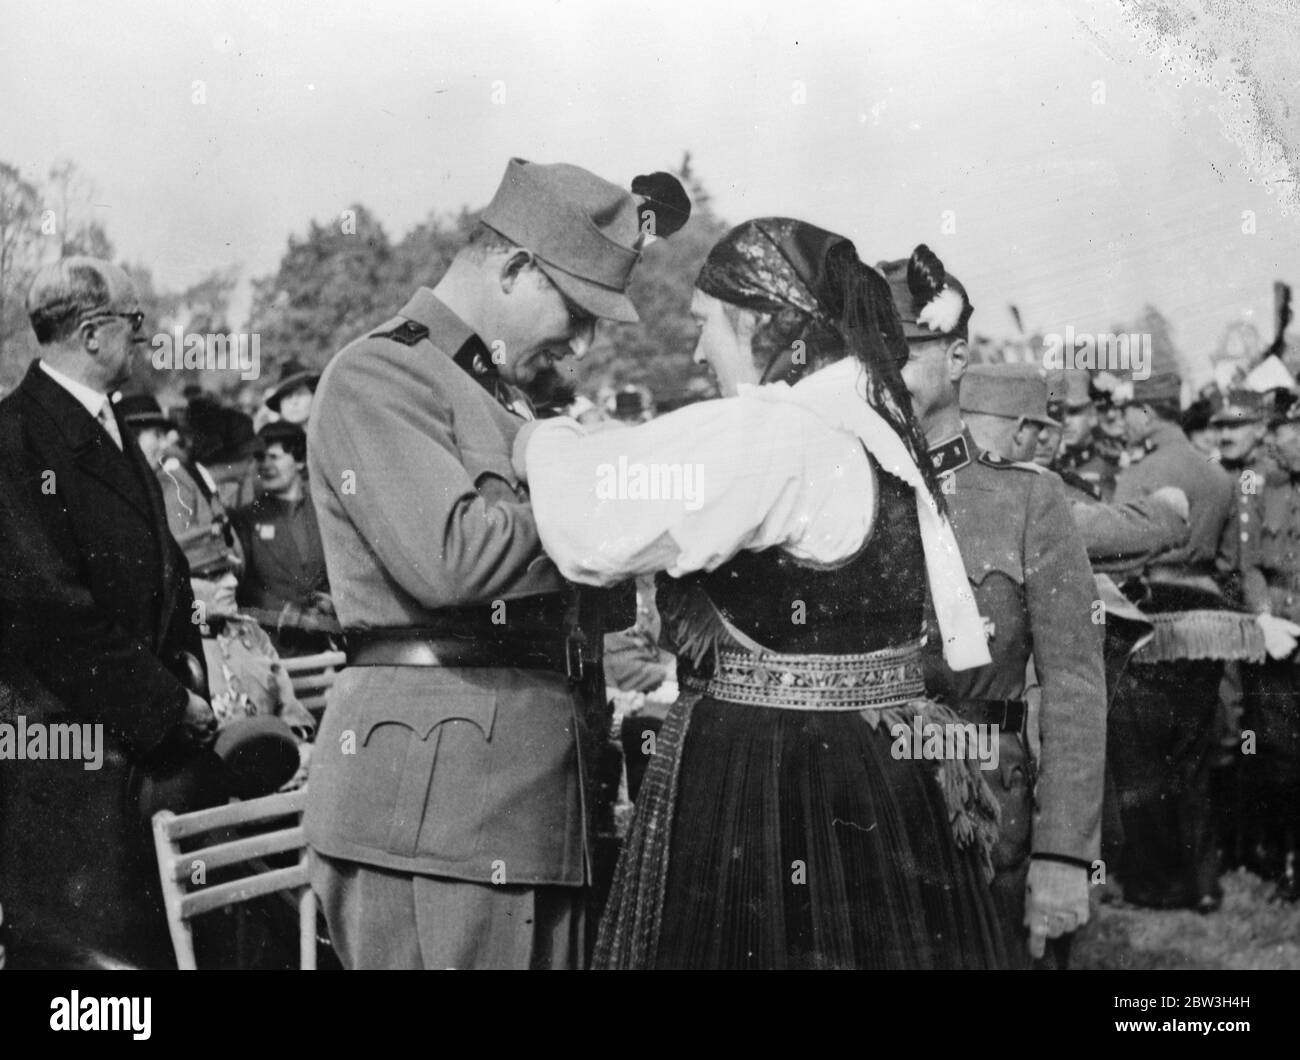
x=813, y=289
x=288, y=436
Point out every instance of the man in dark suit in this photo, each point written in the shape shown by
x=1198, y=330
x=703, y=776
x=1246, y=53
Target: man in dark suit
x=96, y=624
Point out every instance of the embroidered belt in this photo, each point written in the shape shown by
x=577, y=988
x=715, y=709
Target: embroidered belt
x=885, y=678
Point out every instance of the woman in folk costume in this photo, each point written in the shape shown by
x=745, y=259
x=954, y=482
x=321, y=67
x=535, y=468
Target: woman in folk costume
x=785, y=821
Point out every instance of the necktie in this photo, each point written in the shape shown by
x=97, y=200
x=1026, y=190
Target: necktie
x=109, y=422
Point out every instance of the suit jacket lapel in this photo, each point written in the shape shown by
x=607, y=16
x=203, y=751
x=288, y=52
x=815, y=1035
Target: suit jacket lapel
x=90, y=444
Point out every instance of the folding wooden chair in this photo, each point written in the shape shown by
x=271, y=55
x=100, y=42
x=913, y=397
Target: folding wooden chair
x=312, y=677
x=183, y=873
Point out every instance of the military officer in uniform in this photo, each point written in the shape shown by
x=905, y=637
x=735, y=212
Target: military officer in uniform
x=1032, y=582
x=1271, y=699
x=1119, y=538
x=447, y=794
x=1163, y=722
x=1109, y=438
x=1239, y=424
x=1079, y=454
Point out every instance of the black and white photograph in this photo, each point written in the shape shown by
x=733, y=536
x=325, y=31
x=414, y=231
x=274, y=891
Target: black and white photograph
x=582, y=486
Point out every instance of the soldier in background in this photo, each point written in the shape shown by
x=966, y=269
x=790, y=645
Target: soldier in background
x=1240, y=425
x=1163, y=722
x=1080, y=454
x=1109, y=437
x=1271, y=691
x=1031, y=580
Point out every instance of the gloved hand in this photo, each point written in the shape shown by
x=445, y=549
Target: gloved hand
x=1056, y=902
x=1280, y=635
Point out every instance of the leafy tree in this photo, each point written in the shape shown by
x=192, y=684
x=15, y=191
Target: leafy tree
x=330, y=286
x=19, y=240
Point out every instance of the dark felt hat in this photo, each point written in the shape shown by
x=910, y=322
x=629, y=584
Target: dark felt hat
x=293, y=374
x=221, y=434
x=260, y=755
x=249, y=758
x=584, y=232
x=142, y=410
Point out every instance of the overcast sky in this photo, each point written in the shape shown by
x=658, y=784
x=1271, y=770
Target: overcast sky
x=1086, y=168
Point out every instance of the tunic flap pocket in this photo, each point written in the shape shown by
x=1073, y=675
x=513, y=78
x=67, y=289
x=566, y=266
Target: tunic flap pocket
x=423, y=715
x=993, y=559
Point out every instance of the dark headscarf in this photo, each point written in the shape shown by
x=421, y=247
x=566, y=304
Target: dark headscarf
x=818, y=290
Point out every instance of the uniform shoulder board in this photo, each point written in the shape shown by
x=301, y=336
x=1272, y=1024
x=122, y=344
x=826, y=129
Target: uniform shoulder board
x=408, y=333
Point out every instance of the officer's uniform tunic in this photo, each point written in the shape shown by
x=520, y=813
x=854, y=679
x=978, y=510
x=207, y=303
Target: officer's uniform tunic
x=445, y=813
x=1034, y=588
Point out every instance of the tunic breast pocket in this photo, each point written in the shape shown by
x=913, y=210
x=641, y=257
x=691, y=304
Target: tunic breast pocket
x=433, y=755
x=492, y=474
x=985, y=562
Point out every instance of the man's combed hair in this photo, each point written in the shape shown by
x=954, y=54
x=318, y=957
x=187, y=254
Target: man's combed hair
x=61, y=296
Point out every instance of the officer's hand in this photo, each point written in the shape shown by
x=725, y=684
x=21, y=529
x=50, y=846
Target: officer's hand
x=1173, y=497
x=521, y=448
x=1056, y=902
x=1280, y=636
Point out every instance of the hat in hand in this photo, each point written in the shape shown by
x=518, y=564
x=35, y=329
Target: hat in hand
x=260, y=755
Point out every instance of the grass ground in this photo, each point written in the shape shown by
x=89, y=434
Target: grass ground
x=1249, y=931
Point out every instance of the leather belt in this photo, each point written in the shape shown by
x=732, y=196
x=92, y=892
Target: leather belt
x=1287, y=581
x=557, y=653
x=1008, y=714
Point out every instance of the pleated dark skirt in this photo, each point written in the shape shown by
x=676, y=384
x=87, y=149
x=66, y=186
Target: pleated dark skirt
x=798, y=841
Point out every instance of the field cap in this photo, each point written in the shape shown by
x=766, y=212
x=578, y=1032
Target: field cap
x=1013, y=391
x=583, y=231
x=931, y=302
x=1241, y=406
